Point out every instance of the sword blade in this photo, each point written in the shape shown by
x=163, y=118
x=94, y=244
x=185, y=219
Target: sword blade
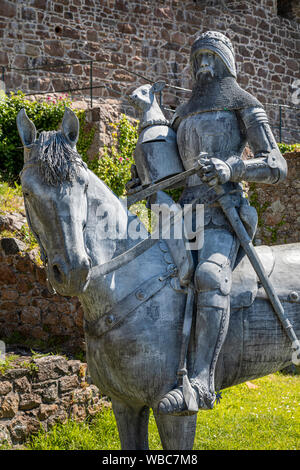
x=246, y=242
x=144, y=193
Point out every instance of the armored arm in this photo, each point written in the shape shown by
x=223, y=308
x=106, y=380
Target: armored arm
x=268, y=165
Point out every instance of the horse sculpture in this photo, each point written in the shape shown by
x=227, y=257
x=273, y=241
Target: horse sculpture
x=133, y=315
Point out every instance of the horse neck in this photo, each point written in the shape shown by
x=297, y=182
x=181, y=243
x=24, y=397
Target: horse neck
x=105, y=211
x=110, y=225
x=107, y=290
x=152, y=113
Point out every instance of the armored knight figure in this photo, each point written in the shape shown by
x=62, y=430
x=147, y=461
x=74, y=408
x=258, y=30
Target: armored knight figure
x=218, y=121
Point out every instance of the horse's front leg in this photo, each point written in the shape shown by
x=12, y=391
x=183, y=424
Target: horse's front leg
x=132, y=422
x=176, y=432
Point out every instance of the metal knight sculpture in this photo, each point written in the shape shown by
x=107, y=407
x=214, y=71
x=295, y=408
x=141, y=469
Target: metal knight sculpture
x=218, y=120
x=212, y=129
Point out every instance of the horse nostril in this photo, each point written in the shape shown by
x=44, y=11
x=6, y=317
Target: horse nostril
x=57, y=274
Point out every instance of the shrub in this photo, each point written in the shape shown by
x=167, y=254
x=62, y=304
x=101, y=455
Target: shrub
x=288, y=147
x=46, y=115
x=114, y=166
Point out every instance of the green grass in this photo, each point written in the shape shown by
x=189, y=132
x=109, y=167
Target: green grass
x=263, y=417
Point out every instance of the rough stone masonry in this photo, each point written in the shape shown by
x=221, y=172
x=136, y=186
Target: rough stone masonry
x=151, y=39
x=38, y=392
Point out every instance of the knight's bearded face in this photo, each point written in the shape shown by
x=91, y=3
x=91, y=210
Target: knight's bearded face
x=204, y=65
x=207, y=66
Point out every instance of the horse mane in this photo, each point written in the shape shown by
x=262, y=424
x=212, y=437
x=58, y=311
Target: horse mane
x=58, y=161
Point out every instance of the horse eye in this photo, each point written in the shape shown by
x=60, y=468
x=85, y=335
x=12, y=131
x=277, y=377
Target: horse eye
x=26, y=193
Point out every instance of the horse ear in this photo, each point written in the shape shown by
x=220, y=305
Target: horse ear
x=158, y=86
x=26, y=128
x=70, y=126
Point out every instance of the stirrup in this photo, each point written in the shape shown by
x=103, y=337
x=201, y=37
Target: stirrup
x=173, y=403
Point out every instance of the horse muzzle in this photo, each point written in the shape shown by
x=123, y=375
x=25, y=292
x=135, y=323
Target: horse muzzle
x=69, y=278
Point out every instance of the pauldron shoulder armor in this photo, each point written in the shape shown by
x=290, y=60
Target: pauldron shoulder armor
x=268, y=165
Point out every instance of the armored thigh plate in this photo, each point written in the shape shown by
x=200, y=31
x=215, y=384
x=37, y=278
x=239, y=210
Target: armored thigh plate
x=156, y=154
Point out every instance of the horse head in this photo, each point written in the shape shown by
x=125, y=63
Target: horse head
x=54, y=182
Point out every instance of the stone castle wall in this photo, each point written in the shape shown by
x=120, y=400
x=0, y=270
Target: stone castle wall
x=151, y=39
x=30, y=314
x=278, y=206
x=38, y=392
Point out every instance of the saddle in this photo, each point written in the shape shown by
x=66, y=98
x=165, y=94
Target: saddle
x=281, y=263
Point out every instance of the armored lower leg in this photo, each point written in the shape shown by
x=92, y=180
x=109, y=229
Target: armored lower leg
x=213, y=284
x=210, y=332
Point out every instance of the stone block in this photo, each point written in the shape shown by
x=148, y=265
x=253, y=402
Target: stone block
x=10, y=405
x=7, y=9
x=126, y=28
x=42, y=4
x=78, y=412
x=77, y=367
x=12, y=246
x=21, y=385
x=5, y=387
x=179, y=38
x=50, y=394
x=40, y=274
x=45, y=411
x=50, y=367
x=25, y=283
x=70, y=33
x=3, y=58
x=9, y=294
x=66, y=384
x=32, y=50
x=92, y=35
x=28, y=401
x=24, y=264
x=31, y=315
x=7, y=275
x=28, y=14
x=54, y=48
x=22, y=426
x=60, y=417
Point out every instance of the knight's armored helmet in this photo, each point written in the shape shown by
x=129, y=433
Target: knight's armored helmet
x=217, y=43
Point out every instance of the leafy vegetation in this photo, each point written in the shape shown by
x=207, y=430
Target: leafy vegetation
x=114, y=166
x=12, y=361
x=46, y=115
x=288, y=147
x=11, y=201
x=259, y=415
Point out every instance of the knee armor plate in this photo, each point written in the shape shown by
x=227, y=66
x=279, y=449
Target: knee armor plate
x=210, y=276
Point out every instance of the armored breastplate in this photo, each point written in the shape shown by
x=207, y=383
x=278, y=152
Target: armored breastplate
x=218, y=133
